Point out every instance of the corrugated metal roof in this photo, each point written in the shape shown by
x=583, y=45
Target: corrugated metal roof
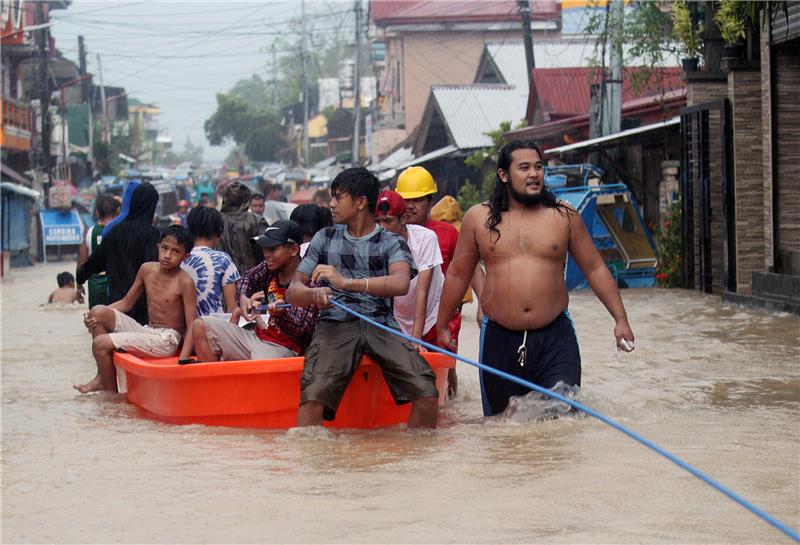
x=394, y=159
x=616, y=136
x=428, y=157
x=470, y=111
x=564, y=92
x=509, y=58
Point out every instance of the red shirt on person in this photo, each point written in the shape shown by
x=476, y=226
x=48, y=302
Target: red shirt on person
x=448, y=238
x=273, y=333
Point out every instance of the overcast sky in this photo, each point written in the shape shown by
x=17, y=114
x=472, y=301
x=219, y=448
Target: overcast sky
x=178, y=55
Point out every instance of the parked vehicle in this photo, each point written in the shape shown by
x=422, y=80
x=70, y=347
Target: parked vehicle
x=614, y=221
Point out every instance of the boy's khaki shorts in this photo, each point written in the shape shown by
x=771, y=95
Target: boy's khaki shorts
x=335, y=352
x=142, y=340
x=230, y=342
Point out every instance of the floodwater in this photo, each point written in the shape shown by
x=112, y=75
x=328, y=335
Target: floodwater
x=718, y=386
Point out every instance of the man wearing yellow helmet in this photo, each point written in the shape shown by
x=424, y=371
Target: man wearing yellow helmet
x=417, y=187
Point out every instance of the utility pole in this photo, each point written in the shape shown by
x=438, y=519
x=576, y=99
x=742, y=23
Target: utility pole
x=44, y=96
x=106, y=133
x=357, y=89
x=305, y=83
x=274, y=78
x=85, y=84
x=612, y=118
x=527, y=36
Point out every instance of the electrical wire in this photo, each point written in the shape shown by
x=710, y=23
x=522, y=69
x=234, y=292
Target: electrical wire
x=730, y=494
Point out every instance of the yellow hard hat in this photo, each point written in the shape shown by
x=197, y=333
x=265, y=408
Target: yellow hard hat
x=415, y=182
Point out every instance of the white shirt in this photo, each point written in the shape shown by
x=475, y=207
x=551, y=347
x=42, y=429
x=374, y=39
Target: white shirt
x=424, y=247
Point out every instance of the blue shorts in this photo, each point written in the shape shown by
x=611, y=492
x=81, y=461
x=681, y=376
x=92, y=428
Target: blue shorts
x=551, y=355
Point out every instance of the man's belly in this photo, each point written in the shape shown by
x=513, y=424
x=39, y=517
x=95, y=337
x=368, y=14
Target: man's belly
x=524, y=298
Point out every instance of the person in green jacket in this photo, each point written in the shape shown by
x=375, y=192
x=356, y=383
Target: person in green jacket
x=106, y=209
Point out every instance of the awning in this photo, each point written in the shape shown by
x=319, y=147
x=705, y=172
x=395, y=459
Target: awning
x=20, y=189
x=616, y=136
x=14, y=175
x=391, y=161
x=441, y=152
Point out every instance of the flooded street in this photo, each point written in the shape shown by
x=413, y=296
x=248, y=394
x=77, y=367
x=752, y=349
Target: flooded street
x=718, y=386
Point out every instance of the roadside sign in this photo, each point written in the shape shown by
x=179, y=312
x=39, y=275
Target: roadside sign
x=61, y=228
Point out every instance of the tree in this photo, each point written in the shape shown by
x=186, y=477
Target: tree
x=257, y=130
x=484, y=161
x=468, y=196
x=647, y=37
x=247, y=114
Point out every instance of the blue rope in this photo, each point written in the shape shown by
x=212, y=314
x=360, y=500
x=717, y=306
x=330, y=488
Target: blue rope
x=630, y=433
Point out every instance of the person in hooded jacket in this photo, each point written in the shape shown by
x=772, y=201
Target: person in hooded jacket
x=124, y=248
x=126, y=205
x=241, y=226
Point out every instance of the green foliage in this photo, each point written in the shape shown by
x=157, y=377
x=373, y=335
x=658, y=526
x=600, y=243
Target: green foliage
x=328, y=112
x=668, y=248
x=468, y=196
x=255, y=91
x=249, y=114
x=734, y=16
x=324, y=52
x=646, y=33
x=691, y=38
x=730, y=16
x=257, y=130
x=484, y=161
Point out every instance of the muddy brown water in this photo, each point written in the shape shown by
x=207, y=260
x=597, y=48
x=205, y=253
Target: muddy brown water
x=716, y=385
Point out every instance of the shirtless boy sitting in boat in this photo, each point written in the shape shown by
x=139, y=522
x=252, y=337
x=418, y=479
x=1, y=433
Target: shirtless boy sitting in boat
x=171, y=306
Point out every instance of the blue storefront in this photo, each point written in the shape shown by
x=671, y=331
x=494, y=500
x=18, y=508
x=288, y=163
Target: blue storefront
x=18, y=207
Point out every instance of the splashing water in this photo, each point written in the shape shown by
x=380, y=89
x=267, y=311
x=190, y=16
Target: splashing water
x=538, y=407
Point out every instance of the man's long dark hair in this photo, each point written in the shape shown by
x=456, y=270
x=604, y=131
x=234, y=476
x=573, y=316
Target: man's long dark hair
x=498, y=200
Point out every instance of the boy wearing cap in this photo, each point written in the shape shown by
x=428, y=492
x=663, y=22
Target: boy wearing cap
x=415, y=311
x=364, y=267
x=287, y=332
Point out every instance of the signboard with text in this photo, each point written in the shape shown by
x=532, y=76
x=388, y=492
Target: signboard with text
x=61, y=228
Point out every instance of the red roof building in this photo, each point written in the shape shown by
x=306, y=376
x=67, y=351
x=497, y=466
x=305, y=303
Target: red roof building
x=558, y=93
x=440, y=42
x=560, y=100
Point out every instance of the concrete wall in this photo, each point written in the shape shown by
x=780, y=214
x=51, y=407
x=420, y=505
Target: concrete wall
x=744, y=91
x=436, y=58
x=766, y=149
x=786, y=120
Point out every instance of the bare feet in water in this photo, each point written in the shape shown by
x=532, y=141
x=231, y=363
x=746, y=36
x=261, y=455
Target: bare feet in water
x=93, y=385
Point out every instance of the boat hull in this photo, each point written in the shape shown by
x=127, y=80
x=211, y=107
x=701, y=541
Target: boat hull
x=257, y=394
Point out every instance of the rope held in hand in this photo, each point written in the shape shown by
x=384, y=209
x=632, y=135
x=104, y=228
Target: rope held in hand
x=591, y=412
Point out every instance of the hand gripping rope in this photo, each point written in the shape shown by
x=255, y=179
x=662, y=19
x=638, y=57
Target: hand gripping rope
x=591, y=412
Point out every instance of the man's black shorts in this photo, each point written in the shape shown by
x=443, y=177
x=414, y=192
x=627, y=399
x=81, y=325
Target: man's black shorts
x=552, y=356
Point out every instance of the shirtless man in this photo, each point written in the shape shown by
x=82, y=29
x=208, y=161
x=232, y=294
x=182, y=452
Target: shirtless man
x=522, y=234
x=171, y=306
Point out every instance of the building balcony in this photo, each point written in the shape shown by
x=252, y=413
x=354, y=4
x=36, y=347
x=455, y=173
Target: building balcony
x=15, y=133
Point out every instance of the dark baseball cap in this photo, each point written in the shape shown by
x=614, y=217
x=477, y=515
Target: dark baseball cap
x=280, y=232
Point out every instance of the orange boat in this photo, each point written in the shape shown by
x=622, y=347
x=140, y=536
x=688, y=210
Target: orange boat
x=257, y=393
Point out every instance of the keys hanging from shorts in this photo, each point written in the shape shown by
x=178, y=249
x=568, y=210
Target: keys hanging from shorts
x=522, y=351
